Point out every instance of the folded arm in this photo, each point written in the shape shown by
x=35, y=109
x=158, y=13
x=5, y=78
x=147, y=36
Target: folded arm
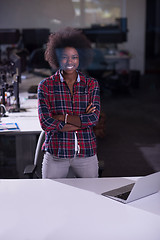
x=73, y=122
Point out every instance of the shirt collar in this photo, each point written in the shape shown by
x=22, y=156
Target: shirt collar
x=62, y=79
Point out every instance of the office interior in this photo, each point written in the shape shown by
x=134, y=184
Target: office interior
x=126, y=40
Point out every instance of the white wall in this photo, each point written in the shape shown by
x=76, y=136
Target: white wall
x=40, y=13
x=35, y=13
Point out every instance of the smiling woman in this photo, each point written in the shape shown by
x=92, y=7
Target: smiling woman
x=69, y=108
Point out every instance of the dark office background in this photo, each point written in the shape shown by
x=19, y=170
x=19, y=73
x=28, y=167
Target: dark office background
x=131, y=145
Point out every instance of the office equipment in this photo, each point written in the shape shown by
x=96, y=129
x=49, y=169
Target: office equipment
x=99, y=185
x=9, y=36
x=16, y=63
x=115, y=33
x=37, y=61
x=143, y=187
x=34, y=38
x=10, y=77
x=34, y=41
x=2, y=111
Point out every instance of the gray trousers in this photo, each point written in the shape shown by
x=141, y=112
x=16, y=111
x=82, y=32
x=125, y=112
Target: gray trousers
x=54, y=167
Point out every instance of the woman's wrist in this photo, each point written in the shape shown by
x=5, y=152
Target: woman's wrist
x=65, y=118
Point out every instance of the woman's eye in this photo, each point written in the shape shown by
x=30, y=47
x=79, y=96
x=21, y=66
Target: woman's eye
x=67, y=58
x=63, y=57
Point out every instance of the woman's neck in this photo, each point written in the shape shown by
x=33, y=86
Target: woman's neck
x=69, y=77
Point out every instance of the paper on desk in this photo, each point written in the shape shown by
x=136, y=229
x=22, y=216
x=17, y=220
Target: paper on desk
x=9, y=127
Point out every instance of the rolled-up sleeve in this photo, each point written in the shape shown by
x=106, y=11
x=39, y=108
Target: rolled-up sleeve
x=48, y=123
x=91, y=119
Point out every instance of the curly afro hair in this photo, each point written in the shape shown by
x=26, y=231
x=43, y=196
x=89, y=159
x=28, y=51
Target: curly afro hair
x=68, y=37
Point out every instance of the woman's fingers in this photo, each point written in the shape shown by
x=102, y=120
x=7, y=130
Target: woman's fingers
x=87, y=109
x=91, y=110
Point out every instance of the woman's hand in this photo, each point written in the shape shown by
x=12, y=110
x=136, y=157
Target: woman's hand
x=59, y=117
x=68, y=127
x=90, y=108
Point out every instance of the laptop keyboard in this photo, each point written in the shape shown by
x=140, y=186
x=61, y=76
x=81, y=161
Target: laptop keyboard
x=121, y=193
x=123, y=196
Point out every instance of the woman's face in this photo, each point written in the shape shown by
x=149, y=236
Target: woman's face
x=69, y=60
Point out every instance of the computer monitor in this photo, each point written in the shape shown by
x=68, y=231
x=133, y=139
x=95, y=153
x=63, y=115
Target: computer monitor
x=9, y=36
x=34, y=38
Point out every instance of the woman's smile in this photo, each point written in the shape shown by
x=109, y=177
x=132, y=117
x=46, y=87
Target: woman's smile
x=69, y=59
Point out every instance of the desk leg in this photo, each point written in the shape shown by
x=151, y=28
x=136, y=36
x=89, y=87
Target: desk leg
x=25, y=150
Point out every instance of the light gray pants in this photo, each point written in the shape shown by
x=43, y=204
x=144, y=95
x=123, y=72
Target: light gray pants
x=54, y=167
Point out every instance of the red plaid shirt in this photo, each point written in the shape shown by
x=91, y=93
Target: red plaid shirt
x=54, y=98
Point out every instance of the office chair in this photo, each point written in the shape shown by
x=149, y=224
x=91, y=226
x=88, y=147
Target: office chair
x=36, y=60
x=34, y=170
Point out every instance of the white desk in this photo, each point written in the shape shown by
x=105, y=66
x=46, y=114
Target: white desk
x=118, y=62
x=27, y=121
x=47, y=210
x=26, y=138
x=100, y=185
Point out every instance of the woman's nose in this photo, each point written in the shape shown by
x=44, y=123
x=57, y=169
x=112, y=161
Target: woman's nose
x=69, y=60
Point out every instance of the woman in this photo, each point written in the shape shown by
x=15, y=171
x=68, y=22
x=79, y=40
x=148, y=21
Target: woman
x=69, y=108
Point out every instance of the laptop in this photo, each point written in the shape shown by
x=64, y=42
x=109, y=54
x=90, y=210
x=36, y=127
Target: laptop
x=143, y=187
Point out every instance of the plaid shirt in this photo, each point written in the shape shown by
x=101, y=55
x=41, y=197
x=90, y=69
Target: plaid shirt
x=54, y=98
